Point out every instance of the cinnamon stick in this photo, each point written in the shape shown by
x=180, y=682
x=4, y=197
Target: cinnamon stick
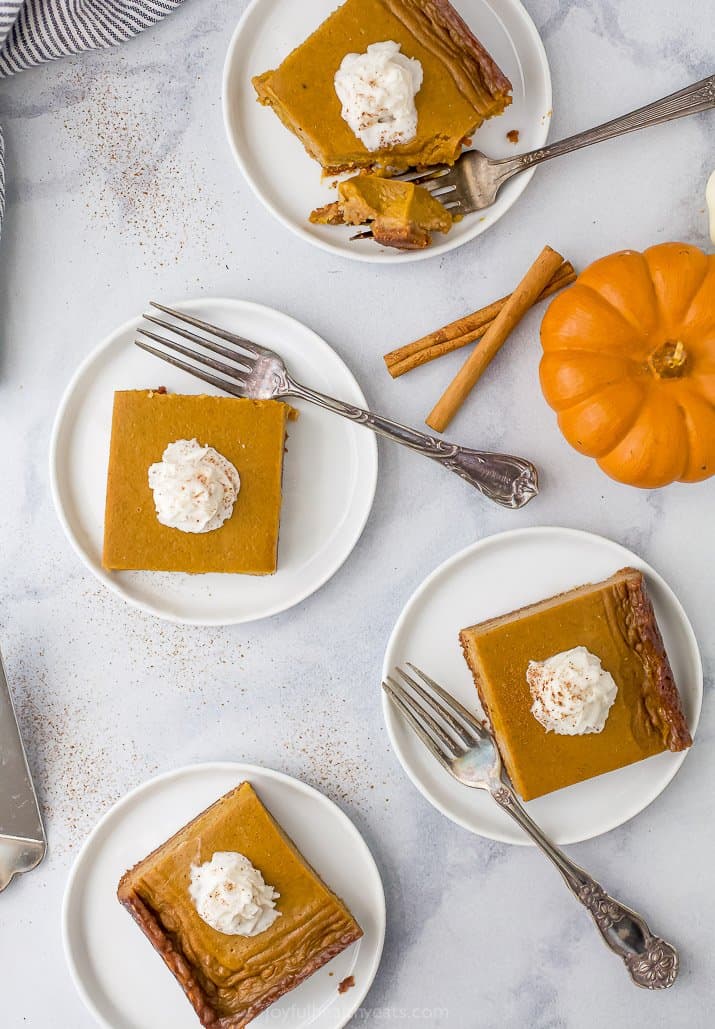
x=523, y=297
x=464, y=330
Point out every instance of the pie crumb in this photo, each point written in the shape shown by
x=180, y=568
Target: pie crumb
x=345, y=985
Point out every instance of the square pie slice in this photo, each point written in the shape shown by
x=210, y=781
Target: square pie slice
x=461, y=88
x=615, y=621
x=231, y=979
x=249, y=433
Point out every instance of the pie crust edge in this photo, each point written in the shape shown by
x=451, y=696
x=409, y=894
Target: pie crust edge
x=182, y=969
x=644, y=635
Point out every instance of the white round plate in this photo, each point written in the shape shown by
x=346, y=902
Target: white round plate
x=503, y=573
x=329, y=476
x=142, y=821
x=288, y=181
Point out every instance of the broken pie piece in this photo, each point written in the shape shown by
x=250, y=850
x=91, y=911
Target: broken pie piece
x=399, y=214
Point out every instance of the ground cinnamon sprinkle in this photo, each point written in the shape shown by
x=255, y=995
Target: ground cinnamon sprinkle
x=80, y=764
x=138, y=179
x=334, y=764
x=65, y=755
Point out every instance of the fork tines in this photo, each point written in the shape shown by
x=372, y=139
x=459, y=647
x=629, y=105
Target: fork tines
x=445, y=727
x=439, y=181
x=421, y=175
x=241, y=352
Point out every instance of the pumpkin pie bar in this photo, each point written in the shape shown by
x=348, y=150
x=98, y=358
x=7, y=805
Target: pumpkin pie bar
x=229, y=979
x=250, y=434
x=615, y=623
x=462, y=86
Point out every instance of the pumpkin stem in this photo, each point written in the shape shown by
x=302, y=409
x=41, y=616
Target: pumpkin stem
x=668, y=361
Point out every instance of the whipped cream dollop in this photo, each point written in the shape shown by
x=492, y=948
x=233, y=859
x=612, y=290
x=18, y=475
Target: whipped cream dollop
x=571, y=692
x=710, y=201
x=377, y=90
x=231, y=896
x=194, y=487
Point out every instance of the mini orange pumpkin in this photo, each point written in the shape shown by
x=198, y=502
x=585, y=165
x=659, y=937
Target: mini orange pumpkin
x=629, y=364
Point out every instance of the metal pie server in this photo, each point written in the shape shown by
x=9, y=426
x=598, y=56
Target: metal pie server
x=22, y=836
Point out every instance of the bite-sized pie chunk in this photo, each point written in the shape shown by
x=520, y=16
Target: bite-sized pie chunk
x=399, y=214
x=194, y=483
x=461, y=85
x=231, y=976
x=577, y=685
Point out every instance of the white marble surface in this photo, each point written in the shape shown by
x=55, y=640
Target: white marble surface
x=121, y=187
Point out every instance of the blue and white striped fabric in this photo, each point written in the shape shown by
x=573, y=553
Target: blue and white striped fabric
x=34, y=31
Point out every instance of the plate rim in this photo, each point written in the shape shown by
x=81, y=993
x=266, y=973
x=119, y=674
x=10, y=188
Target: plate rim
x=242, y=768
x=106, y=579
x=454, y=559
x=380, y=257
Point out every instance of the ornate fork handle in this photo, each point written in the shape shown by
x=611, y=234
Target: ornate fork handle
x=700, y=96
x=651, y=962
x=507, y=480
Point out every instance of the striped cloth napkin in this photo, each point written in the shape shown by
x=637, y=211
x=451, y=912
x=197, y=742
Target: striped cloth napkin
x=34, y=31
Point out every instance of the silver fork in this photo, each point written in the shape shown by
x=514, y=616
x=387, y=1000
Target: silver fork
x=466, y=749
x=260, y=373
x=473, y=182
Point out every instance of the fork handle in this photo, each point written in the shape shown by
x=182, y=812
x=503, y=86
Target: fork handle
x=700, y=96
x=505, y=479
x=651, y=962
